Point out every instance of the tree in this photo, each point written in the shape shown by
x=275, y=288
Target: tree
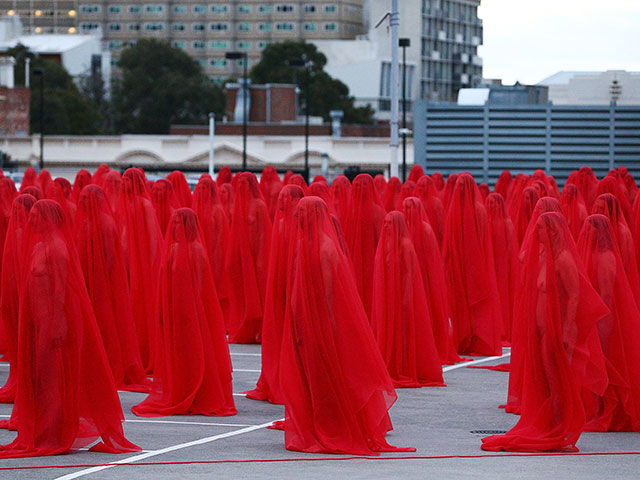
x=326, y=93
x=161, y=85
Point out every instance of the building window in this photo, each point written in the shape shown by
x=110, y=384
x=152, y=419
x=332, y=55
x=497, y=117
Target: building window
x=198, y=27
x=330, y=9
x=179, y=27
x=219, y=9
x=309, y=9
x=134, y=27
x=218, y=62
x=244, y=27
x=284, y=27
x=264, y=8
x=218, y=44
x=243, y=45
x=134, y=9
x=153, y=27
x=244, y=8
x=179, y=44
x=198, y=45
x=88, y=27
x=202, y=63
x=199, y=9
x=309, y=27
x=115, y=9
x=114, y=27
x=330, y=27
x=89, y=8
x=115, y=45
x=154, y=8
x=180, y=9
x=218, y=26
x=264, y=27
x=284, y=8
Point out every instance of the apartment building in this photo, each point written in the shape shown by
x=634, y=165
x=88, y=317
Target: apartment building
x=43, y=16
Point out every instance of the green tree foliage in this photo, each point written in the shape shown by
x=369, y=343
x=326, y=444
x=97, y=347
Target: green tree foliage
x=326, y=93
x=161, y=85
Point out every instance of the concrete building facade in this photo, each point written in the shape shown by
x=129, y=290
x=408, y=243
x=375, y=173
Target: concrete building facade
x=593, y=88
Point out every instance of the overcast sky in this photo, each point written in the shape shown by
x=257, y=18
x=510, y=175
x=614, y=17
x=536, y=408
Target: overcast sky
x=528, y=41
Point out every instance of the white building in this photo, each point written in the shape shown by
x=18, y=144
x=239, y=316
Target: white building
x=594, y=88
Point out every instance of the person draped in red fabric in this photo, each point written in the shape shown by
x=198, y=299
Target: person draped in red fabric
x=506, y=248
x=406, y=191
x=270, y=186
x=610, y=184
x=428, y=194
x=514, y=195
x=573, y=209
x=29, y=179
x=380, y=183
x=224, y=176
x=45, y=181
x=618, y=409
x=181, y=190
x=561, y=348
x=164, y=202
x=503, y=184
x=484, y=190
x=629, y=181
x=247, y=261
x=97, y=240
x=415, y=173
x=400, y=317
x=215, y=234
x=99, y=175
x=607, y=205
x=10, y=288
x=142, y=245
x=362, y=230
x=336, y=391
x=528, y=202
x=341, y=194
x=432, y=271
x=8, y=193
x=322, y=190
x=227, y=198
x=34, y=191
x=193, y=366
x=287, y=176
x=320, y=179
x=448, y=190
x=66, y=397
x=83, y=178
x=113, y=191
x=468, y=256
x=587, y=183
x=268, y=386
x=297, y=179
x=438, y=179
x=391, y=194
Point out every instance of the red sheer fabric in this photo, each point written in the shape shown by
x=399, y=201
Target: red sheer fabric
x=113, y=191
x=10, y=288
x=587, y=183
x=227, y=198
x=193, y=367
x=100, y=174
x=380, y=182
x=528, y=202
x=428, y=194
x=561, y=349
x=438, y=179
x=268, y=387
x=7, y=193
x=83, y=178
x=400, y=317
x=336, y=391
x=299, y=180
x=98, y=243
x=415, y=173
x=247, y=261
x=618, y=409
x=45, y=180
x=468, y=256
x=573, y=209
x=362, y=231
x=287, y=176
x=514, y=195
x=214, y=226
x=506, y=248
x=270, y=186
x=66, y=397
x=29, y=179
x=433, y=277
x=391, y=194
x=142, y=244
x=341, y=194
x=448, y=190
x=406, y=191
x=34, y=191
x=224, y=176
x=611, y=184
x=320, y=179
x=181, y=190
x=484, y=190
x=503, y=184
x=68, y=206
x=164, y=202
x=322, y=190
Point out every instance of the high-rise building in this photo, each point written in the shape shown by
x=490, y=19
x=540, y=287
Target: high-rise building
x=43, y=16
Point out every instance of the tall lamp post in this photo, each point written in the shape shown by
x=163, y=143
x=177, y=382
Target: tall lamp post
x=404, y=43
x=39, y=72
x=303, y=62
x=245, y=86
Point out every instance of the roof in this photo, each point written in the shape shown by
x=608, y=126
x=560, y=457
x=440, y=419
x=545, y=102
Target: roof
x=49, y=43
x=473, y=96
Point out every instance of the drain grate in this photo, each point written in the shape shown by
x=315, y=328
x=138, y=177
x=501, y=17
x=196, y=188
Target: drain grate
x=488, y=432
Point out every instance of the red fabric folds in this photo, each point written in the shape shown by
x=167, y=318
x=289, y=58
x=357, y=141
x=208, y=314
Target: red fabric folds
x=503, y=184
x=400, y=317
x=391, y=193
x=193, y=367
x=618, y=409
x=528, y=202
x=468, y=256
x=270, y=186
x=181, y=190
x=29, y=179
x=415, y=173
x=337, y=392
x=247, y=261
x=164, y=202
x=224, y=176
x=66, y=397
x=573, y=209
x=98, y=243
x=428, y=194
x=560, y=311
x=341, y=194
x=83, y=178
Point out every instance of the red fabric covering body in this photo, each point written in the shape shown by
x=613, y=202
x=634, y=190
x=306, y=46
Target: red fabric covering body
x=611, y=184
x=391, y=194
x=484, y=190
x=573, y=209
x=528, y=202
x=299, y=180
x=619, y=408
x=29, y=179
x=447, y=193
x=561, y=348
x=99, y=175
x=193, y=367
x=247, y=261
x=224, y=176
x=406, y=191
x=438, y=179
x=97, y=240
x=181, y=190
x=113, y=191
x=45, y=181
x=427, y=192
x=214, y=226
x=336, y=391
x=341, y=194
x=468, y=256
x=62, y=192
x=433, y=277
x=322, y=190
x=400, y=317
x=270, y=186
x=287, y=175
x=514, y=195
x=164, y=202
x=66, y=397
x=587, y=183
x=506, y=248
x=227, y=198
x=503, y=184
x=7, y=193
x=268, y=387
x=362, y=230
x=83, y=178
x=319, y=179
x=10, y=288
x=380, y=182
x=142, y=246
x=415, y=173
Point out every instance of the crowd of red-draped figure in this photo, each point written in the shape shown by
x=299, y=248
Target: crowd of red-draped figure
x=354, y=289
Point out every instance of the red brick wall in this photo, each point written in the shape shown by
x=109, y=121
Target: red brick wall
x=283, y=103
x=14, y=110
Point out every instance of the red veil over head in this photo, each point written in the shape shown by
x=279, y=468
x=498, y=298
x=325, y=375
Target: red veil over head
x=322, y=190
x=29, y=179
x=181, y=190
x=432, y=272
x=415, y=173
x=391, y=193
x=268, y=387
x=380, y=183
x=164, y=202
x=270, y=186
x=336, y=390
x=362, y=230
x=224, y=176
x=503, y=184
x=10, y=288
x=528, y=202
x=100, y=173
x=227, y=198
x=406, y=191
x=468, y=256
x=247, y=261
x=448, y=190
x=113, y=191
x=98, y=243
x=297, y=179
x=341, y=194
x=619, y=408
x=573, y=209
x=611, y=184
x=428, y=194
x=561, y=349
x=438, y=179
x=83, y=178
x=142, y=244
x=66, y=397
x=193, y=367
x=400, y=317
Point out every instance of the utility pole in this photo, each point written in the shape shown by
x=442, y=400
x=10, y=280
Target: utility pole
x=393, y=142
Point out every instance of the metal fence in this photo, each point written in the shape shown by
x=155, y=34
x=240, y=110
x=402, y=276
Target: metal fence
x=485, y=140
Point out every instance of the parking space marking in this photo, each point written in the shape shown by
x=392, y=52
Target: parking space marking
x=482, y=360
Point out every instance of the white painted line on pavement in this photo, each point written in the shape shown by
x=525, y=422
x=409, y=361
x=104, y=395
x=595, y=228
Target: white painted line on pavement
x=135, y=458
x=246, y=354
x=482, y=360
x=244, y=370
x=190, y=423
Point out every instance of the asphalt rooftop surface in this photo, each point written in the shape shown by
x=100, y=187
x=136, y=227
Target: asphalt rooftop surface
x=437, y=421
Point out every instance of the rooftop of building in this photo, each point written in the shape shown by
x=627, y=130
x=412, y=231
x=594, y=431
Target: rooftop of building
x=565, y=76
x=44, y=44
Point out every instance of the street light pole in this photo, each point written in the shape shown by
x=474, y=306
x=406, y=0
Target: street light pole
x=246, y=93
x=404, y=43
x=303, y=62
x=40, y=73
